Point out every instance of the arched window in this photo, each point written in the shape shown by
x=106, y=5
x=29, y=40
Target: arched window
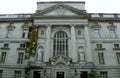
x=60, y=43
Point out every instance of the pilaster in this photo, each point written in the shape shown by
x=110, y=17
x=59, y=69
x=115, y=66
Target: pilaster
x=73, y=44
x=87, y=44
x=47, y=44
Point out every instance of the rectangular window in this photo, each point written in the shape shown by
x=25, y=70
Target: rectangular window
x=3, y=57
x=112, y=33
x=9, y=34
x=25, y=34
x=103, y=74
x=6, y=45
x=22, y=45
x=116, y=45
x=20, y=58
x=101, y=58
x=17, y=74
x=99, y=45
x=96, y=33
x=1, y=73
x=118, y=57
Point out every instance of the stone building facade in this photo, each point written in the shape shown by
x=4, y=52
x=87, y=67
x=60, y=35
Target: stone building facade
x=71, y=43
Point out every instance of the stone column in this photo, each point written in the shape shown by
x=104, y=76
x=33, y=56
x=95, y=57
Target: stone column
x=48, y=44
x=87, y=45
x=73, y=44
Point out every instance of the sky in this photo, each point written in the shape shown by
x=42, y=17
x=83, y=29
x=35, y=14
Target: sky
x=30, y=6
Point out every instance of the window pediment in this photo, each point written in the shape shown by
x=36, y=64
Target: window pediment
x=11, y=26
x=111, y=26
x=96, y=26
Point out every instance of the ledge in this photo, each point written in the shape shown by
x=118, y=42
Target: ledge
x=13, y=40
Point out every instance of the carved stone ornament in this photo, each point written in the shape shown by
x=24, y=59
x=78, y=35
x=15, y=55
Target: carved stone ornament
x=11, y=26
x=25, y=26
x=96, y=25
x=60, y=11
x=111, y=26
x=60, y=59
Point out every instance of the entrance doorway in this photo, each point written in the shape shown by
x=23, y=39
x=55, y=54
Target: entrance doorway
x=83, y=74
x=60, y=75
x=36, y=74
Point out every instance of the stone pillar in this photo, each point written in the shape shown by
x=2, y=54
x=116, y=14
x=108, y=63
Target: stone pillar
x=48, y=44
x=73, y=44
x=87, y=45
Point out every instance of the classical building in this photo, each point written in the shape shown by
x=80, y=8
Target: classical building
x=60, y=40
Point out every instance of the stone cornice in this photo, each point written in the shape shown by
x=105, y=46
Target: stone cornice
x=105, y=40
x=62, y=2
x=14, y=40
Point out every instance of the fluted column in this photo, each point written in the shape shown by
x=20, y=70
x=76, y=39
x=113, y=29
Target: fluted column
x=88, y=45
x=73, y=44
x=48, y=44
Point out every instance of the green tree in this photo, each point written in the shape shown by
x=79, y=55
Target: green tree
x=32, y=45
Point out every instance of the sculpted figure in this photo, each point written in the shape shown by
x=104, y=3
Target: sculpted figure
x=81, y=53
x=39, y=53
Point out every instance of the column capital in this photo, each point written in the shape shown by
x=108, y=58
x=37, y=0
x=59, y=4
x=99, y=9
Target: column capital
x=85, y=25
x=48, y=25
x=73, y=25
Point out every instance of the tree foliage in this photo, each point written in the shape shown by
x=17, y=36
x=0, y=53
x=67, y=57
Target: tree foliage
x=32, y=45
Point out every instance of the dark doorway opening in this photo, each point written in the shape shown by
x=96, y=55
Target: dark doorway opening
x=36, y=74
x=60, y=75
x=83, y=74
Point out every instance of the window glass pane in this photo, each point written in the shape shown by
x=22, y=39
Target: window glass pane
x=101, y=58
x=1, y=72
x=17, y=74
x=103, y=74
x=112, y=33
x=20, y=58
x=96, y=33
x=118, y=57
x=3, y=57
x=60, y=45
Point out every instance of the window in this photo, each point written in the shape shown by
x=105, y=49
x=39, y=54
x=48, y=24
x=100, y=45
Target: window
x=1, y=72
x=17, y=74
x=101, y=58
x=60, y=45
x=99, y=45
x=25, y=34
x=103, y=74
x=22, y=46
x=116, y=45
x=112, y=33
x=9, y=34
x=118, y=57
x=20, y=58
x=96, y=33
x=6, y=45
x=3, y=57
